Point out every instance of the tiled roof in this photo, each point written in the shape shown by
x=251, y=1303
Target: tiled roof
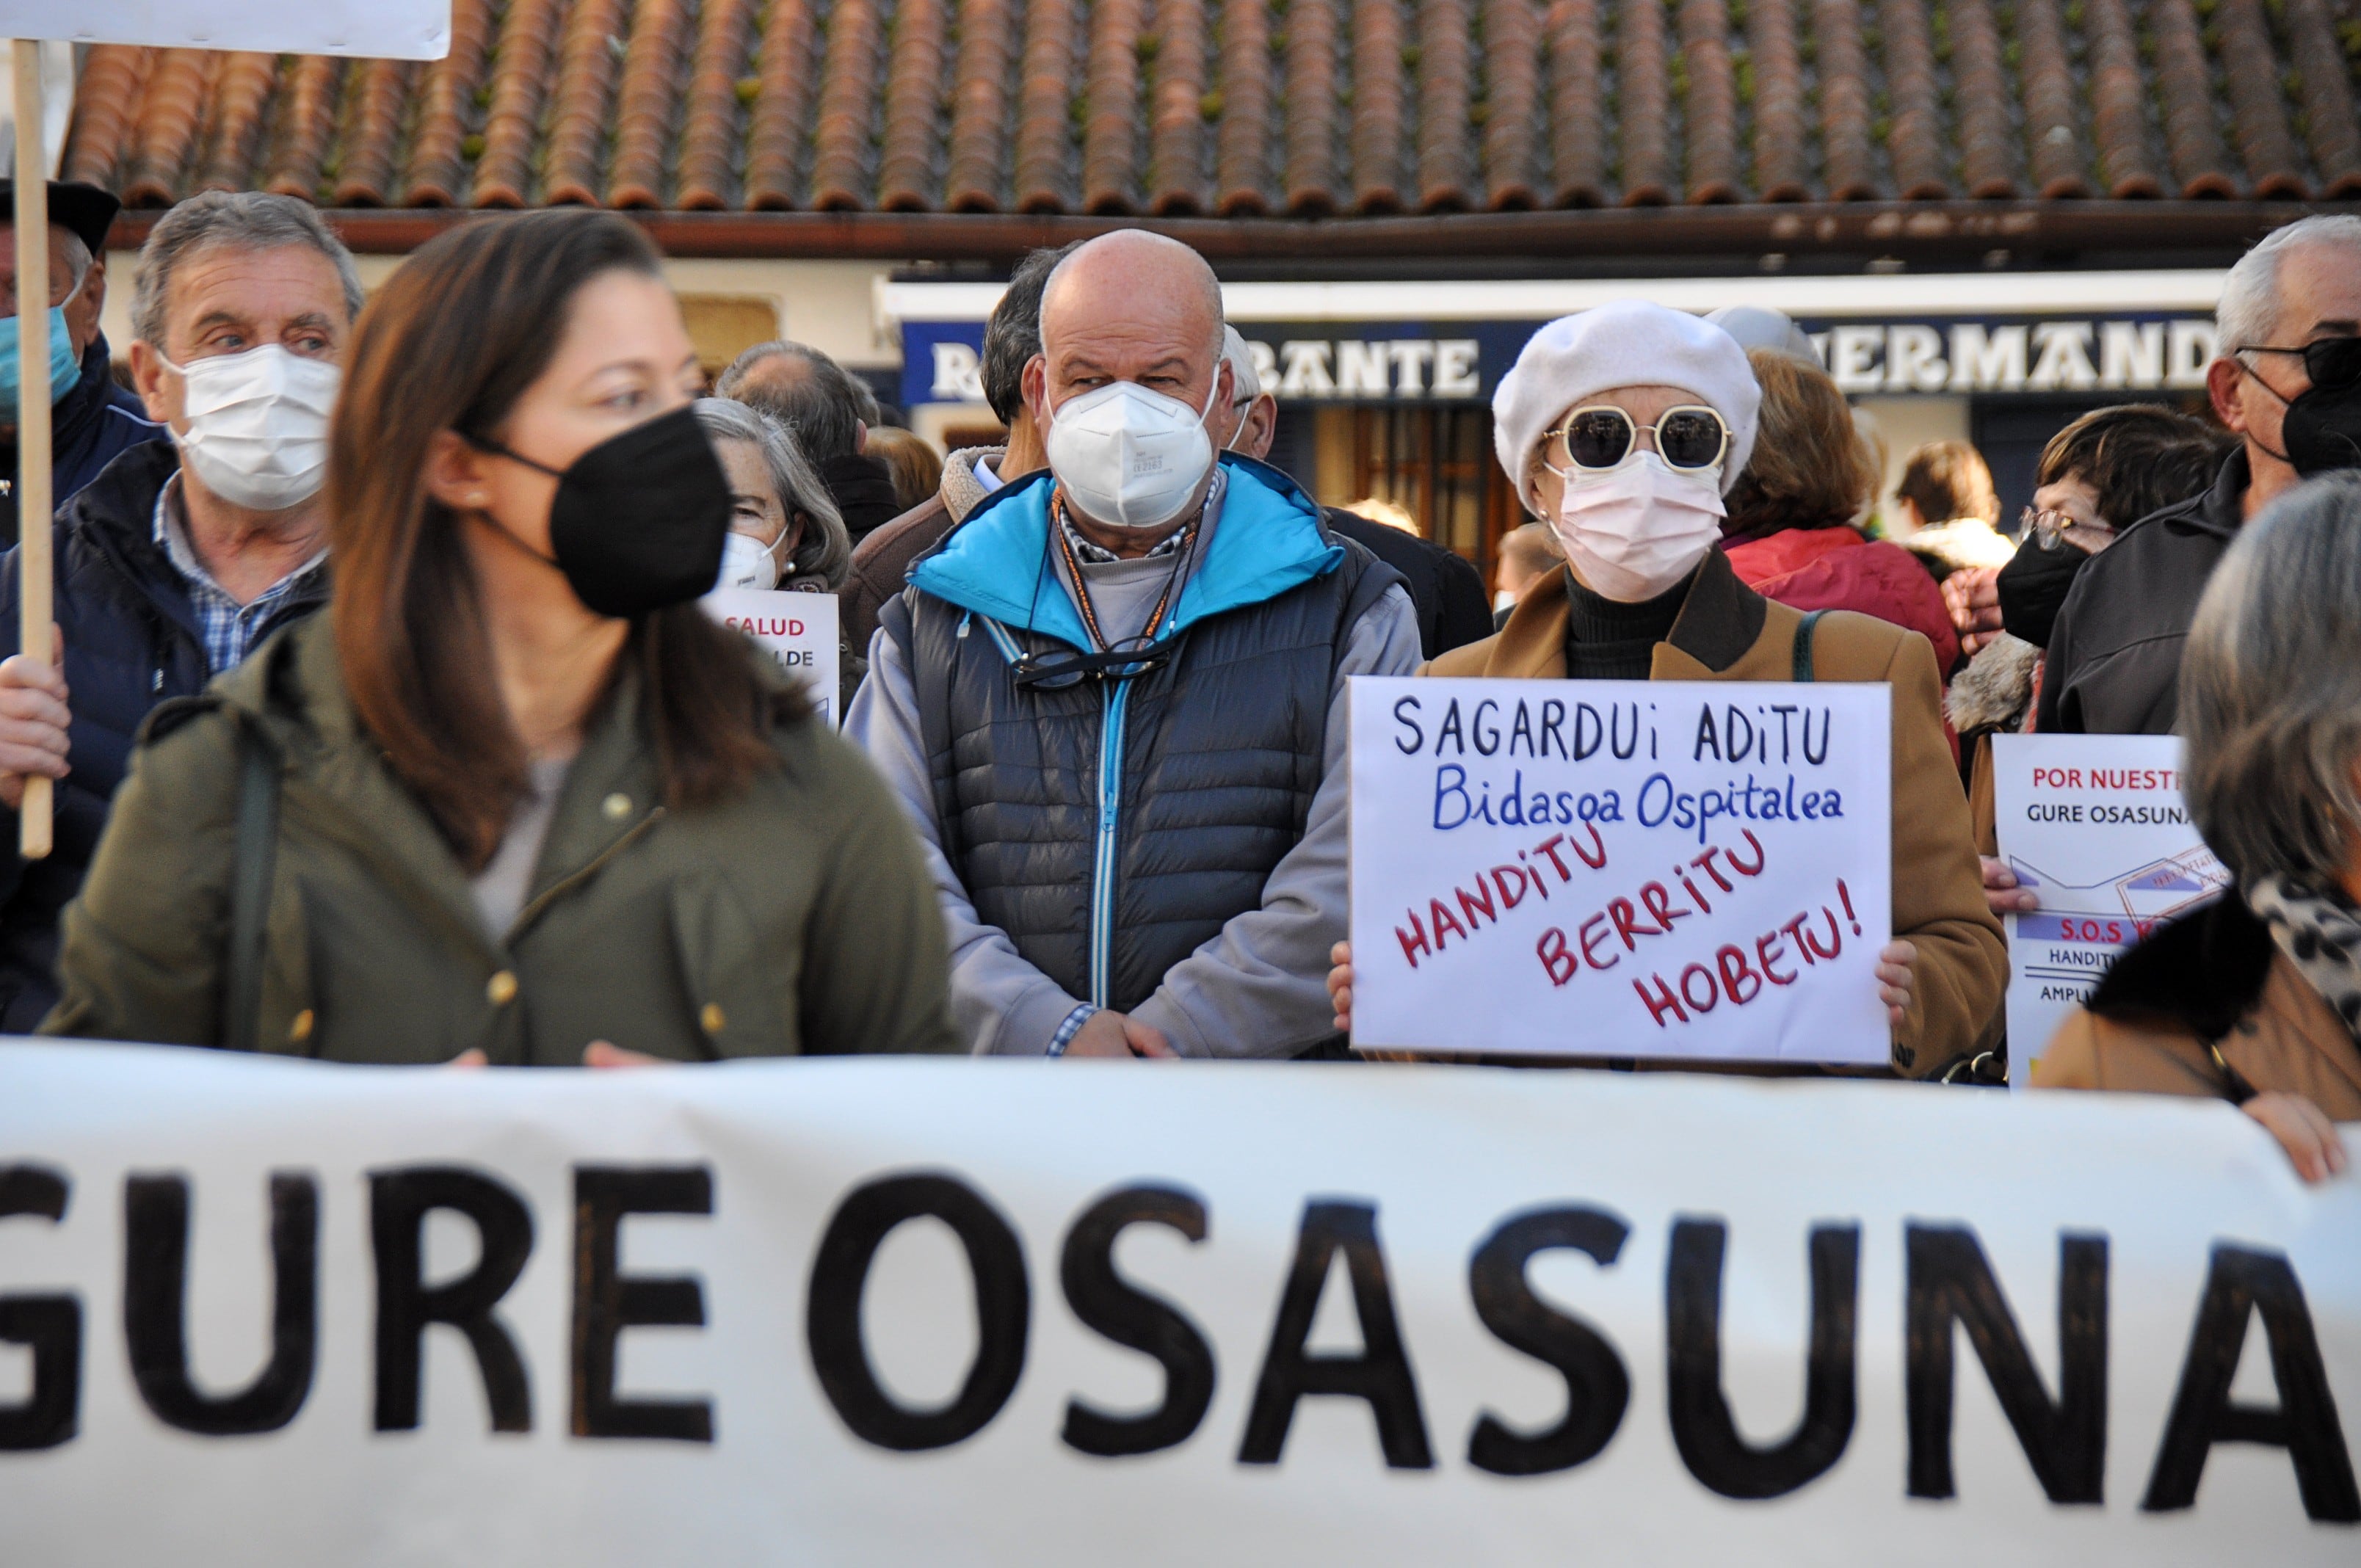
x=1258, y=107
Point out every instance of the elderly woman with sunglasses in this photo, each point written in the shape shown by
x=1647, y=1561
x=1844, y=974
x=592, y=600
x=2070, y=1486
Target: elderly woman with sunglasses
x=1622, y=429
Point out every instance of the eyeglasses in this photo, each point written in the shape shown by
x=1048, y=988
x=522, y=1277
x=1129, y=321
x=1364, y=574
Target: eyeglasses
x=1062, y=669
x=1689, y=437
x=2062, y=531
x=2330, y=362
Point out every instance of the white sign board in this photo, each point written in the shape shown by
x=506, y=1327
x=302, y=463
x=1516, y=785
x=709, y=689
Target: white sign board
x=2094, y=825
x=798, y=630
x=1621, y=869
x=392, y=29
x=281, y=1314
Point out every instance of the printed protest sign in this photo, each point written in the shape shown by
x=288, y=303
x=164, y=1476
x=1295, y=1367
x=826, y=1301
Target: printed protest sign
x=1679, y=870
x=798, y=630
x=280, y=1314
x=2093, y=824
x=395, y=30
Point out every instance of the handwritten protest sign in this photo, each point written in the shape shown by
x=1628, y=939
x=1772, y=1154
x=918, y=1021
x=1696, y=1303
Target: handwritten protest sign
x=2095, y=826
x=798, y=630
x=1680, y=869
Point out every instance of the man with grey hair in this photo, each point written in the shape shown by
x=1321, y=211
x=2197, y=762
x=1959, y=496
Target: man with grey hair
x=2287, y=380
x=92, y=420
x=831, y=411
x=182, y=556
x=1114, y=699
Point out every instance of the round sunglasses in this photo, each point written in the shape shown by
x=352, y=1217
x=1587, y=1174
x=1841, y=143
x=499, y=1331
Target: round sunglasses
x=1690, y=437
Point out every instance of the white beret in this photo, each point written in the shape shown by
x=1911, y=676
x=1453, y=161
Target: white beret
x=1630, y=343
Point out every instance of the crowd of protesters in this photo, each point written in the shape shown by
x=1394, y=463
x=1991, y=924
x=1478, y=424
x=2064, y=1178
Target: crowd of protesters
x=389, y=728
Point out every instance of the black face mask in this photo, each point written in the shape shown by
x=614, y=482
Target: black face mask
x=2032, y=589
x=639, y=521
x=2321, y=430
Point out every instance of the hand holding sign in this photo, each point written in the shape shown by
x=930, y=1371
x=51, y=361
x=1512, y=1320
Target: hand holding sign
x=1607, y=868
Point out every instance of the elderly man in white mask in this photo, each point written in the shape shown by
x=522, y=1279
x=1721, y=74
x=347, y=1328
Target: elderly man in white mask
x=1114, y=699
x=1622, y=428
x=182, y=557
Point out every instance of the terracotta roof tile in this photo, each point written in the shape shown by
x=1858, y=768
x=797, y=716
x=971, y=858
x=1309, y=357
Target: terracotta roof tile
x=1111, y=110
x=1045, y=109
x=783, y=106
x=1842, y=65
x=1510, y=109
x=437, y=173
x=979, y=134
x=714, y=117
x=1989, y=158
x=1378, y=93
x=1914, y=140
x=1311, y=110
x=1643, y=97
x=1782, y=172
x=504, y=171
x=1244, y=107
x=1578, y=103
x=906, y=180
x=648, y=104
x=380, y=98
x=1244, y=104
x=1176, y=110
x=1709, y=111
x=573, y=169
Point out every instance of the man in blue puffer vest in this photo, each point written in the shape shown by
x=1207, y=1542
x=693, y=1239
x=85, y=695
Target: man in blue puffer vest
x=1114, y=700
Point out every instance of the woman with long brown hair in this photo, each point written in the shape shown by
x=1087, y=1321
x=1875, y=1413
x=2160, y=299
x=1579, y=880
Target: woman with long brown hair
x=514, y=794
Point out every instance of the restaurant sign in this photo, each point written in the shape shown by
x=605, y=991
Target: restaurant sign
x=1462, y=361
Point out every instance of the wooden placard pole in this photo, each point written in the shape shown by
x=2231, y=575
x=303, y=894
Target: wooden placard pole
x=34, y=507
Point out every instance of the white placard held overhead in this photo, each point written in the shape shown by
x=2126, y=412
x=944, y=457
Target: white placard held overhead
x=1673, y=870
x=2095, y=825
x=798, y=630
x=390, y=29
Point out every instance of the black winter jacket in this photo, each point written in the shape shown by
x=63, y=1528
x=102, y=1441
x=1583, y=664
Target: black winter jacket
x=95, y=423
x=2113, y=665
x=131, y=640
x=1448, y=594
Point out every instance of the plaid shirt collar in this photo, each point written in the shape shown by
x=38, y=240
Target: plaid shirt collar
x=229, y=627
x=1091, y=554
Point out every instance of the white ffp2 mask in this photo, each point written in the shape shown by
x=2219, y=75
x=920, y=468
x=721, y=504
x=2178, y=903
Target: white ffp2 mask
x=1637, y=529
x=748, y=562
x=257, y=431
x=1129, y=456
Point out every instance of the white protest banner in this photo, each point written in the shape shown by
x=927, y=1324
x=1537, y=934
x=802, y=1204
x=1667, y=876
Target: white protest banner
x=1621, y=869
x=901, y=1311
x=2093, y=824
x=798, y=630
x=393, y=29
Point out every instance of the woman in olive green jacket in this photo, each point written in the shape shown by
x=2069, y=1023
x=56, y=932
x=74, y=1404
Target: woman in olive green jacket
x=514, y=794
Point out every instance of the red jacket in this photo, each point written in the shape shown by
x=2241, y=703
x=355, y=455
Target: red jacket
x=1835, y=568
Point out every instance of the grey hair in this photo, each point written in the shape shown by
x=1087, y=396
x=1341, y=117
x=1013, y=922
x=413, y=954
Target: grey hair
x=77, y=254
x=243, y=220
x=825, y=551
x=2249, y=309
x=2270, y=691
x=824, y=406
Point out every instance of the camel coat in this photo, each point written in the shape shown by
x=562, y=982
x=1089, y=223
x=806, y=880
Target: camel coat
x=1726, y=632
x=2213, y=981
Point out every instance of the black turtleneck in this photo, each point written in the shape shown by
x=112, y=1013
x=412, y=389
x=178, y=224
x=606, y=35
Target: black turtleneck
x=1610, y=642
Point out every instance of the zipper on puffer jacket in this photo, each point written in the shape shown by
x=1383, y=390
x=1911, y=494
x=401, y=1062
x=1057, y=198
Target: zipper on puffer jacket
x=1114, y=702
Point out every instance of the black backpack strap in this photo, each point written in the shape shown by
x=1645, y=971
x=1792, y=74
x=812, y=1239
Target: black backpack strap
x=1804, y=629
x=249, y=890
